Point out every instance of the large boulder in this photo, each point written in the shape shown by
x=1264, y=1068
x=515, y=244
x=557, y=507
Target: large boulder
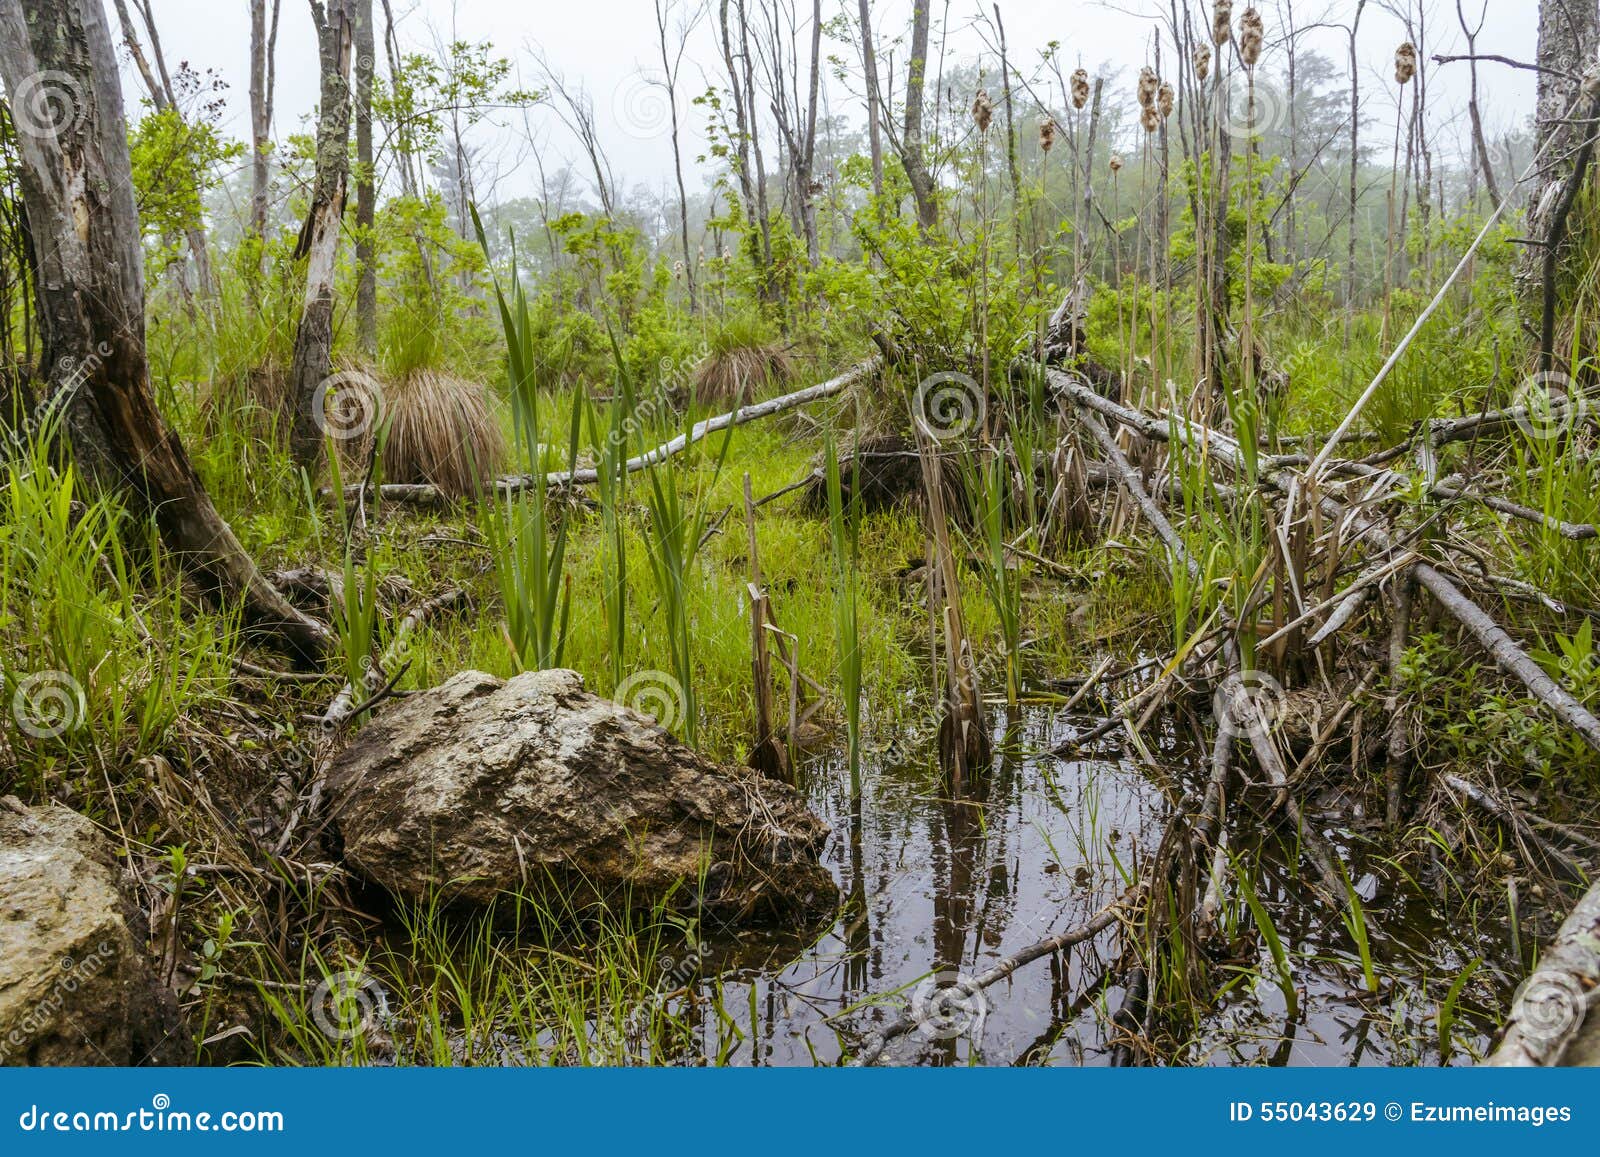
x=481, y=786
x=76, y=987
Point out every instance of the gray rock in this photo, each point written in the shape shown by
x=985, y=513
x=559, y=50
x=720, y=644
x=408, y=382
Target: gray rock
x=479, y=787
x=76, y=987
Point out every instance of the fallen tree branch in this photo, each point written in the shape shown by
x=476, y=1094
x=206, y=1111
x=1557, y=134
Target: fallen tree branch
x=1508, y=656
x=423, y=493
x=1548, y=1025
x=879, y=1041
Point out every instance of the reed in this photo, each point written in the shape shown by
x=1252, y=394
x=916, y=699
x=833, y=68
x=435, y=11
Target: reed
x=677, y=531
x=844, y=535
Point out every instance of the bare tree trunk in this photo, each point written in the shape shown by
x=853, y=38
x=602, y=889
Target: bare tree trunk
x=1291, y=245
x=1569, y=31
x=77, y=190
x=366, y=191
x=1355, y=159
x=319, y=235
x=752, y=172
x=753, y=121
x=869, y=66
x=912, y=155
x=159, y=84
x=670, y=64
x=1013, y=171
x=805, y=168
x=263, y=45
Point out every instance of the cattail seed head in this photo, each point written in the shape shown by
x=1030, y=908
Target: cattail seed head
x=1150, y=119
x=1222, y=22
x=982, y=110
x=1116, y=163
x=1080, y=88
x=1047, y=134
x=1405, y=62
x=1251, y=33
x=1164, y=99
x=1202, y=61
x=1149, y=82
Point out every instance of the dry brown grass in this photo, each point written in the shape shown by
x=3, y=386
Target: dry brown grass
x=443, y=430
x=734, y=375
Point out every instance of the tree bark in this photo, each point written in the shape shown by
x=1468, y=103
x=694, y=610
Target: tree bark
x=869, y=65
x=912, y=155
x=1557, y=1019
x=159, y=84
x=1355, y=166
x=77, y=188
x=319, y=236
x=366, y=191
x=1569, y=31
x=263, y=44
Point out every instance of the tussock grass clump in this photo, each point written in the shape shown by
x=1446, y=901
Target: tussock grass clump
x=740, y=362
x=443, y=430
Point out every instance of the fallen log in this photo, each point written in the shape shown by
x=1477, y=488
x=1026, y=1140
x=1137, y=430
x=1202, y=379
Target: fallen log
x=1555, y=1019
x=425, y=494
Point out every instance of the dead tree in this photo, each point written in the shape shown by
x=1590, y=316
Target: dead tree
x=671, y=65
x=869, y=67
x=796, y=117
x=1480, y=148
x=746, y=145
x=263, y=76
x=1355, y=168
x=60, y=72
x=911, y=147
x=1569, y=31
x=366, y=183
x=319, y=235
x=158, y=83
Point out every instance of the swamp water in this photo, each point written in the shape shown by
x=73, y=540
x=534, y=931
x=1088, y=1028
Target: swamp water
x=935, y=889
